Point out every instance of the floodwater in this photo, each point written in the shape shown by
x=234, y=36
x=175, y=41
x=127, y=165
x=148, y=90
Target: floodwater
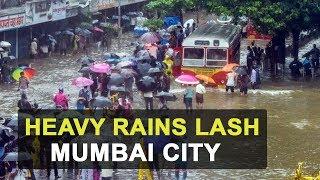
x=293, y=116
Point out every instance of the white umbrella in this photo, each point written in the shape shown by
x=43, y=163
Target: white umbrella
x=5, y=44
x=190, y=22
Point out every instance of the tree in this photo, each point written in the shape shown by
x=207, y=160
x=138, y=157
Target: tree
x=170, y=7
x=275, y=17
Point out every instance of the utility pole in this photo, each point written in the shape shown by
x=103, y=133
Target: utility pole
x=119, y=24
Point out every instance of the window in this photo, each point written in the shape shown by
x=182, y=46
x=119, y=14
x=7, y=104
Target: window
x=217, y=54
x=193, y=53
x=193, y=57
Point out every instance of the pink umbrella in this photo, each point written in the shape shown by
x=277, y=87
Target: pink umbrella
x=100, y=68
x=98, y=29
x=187, y=79
x=82, y=82
x=149, y=38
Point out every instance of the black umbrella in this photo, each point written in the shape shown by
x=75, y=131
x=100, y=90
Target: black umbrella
x=146, y=84
x=85, y=60
x=167, y=96
x=116, y=79
x=117, y=89
x=68, y=32
x=154, y=70
x=85, y=69
x=15, y=156
x=128, y=73
x=143, y=68
x=101, y=102
x=241, y=70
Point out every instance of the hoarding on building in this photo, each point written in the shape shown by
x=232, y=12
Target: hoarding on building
x=96, y=5
x=59, y=9
x=38, y=12
x=12, y=22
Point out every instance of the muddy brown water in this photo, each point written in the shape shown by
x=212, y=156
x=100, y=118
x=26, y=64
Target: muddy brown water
x=293, y=116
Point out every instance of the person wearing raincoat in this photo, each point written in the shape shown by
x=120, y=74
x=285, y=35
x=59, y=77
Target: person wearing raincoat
x=75, y=43
x=168, y=65
x=61, y=100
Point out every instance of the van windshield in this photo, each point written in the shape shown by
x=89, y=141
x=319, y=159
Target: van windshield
x=193, y=53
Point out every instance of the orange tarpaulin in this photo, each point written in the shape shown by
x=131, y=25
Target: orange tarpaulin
x=206, y=79
x=230, y=67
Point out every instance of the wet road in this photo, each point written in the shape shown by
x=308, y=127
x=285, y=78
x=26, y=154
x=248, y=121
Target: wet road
x=293, y=116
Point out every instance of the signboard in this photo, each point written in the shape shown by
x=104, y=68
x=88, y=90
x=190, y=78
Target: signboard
x=12, y=21
x=38, y=12
x=59, y=9
x=202, y=43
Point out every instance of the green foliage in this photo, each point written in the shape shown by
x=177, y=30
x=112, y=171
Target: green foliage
x=270, y=16
x=109, y=28
x=153, y=24
x=166, y=7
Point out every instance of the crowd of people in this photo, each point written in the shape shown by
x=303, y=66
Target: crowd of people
x=308, y=66
x=106, y=89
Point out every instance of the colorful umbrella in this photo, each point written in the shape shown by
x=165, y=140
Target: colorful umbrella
x=100, y=68
x=230, y=67
x=206, y=79
x=82, y=82
x=220, y=77
x=28, y=73
x=187, y=79
x=16, y=74
x=96, y=29
x=149, y=38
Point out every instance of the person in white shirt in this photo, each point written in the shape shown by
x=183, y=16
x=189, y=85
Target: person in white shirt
x=200, y=91
x=34, y=48
x=148, y=98
x=253, y=78
x=230, y=81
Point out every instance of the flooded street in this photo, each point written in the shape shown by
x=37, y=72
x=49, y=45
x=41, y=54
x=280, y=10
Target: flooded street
x=293, y=115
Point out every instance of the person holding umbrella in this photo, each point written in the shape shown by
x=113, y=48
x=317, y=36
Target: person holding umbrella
x=23, y=84
x=188, y=96
x=34, y=48
x=148, y=99
x=200, y=91
x=243, y=81
x=231, y=78
x=86, y=95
